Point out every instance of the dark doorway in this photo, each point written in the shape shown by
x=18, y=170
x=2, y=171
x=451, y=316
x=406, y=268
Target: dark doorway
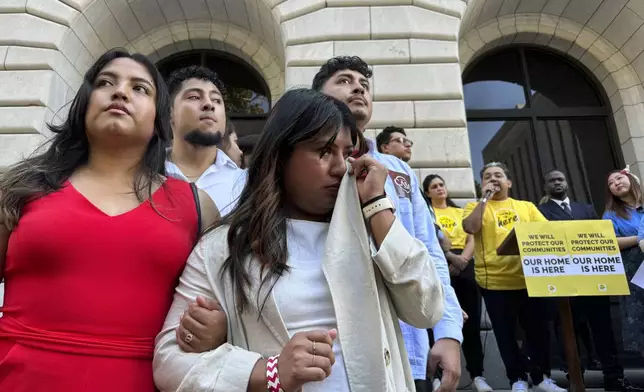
x=535, y=110
x=247, y=94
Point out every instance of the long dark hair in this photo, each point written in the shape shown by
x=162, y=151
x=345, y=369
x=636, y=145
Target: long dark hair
x=427, y=182
x=615, y=204
x=258, y=222
x=46, y=172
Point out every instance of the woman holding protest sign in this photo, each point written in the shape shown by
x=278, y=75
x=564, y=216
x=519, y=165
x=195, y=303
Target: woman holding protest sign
x=624, y=207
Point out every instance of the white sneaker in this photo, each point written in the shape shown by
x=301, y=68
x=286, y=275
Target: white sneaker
x=436, y=383
x=548, y=385
x=520, y=386
x=480, y=385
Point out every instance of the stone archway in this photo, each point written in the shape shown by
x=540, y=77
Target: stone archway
x=157, y=31
x=614, y=64
x=46, y=47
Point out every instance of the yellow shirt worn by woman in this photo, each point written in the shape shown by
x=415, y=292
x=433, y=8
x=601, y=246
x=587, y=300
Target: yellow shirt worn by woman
x=495, y=272
x=450, y=220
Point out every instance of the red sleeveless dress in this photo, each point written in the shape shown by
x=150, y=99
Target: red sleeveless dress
x=86, y=293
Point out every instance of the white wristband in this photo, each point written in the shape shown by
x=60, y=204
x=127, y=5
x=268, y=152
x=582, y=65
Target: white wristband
x=377, y=206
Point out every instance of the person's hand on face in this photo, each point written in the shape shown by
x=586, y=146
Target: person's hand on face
x=495, y=181
x=491, y=187
x=370, y=176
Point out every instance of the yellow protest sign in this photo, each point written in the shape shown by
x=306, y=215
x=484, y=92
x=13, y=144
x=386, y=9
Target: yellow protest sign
x=571, y=258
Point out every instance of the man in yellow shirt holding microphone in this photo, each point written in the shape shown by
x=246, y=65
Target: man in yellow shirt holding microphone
x=503, y=285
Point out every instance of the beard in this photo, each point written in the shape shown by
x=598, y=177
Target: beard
x=360, y=115
x=200, y=138
x=559, y=195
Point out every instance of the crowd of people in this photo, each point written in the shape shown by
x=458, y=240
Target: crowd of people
x=147, y=248
x=472, y=236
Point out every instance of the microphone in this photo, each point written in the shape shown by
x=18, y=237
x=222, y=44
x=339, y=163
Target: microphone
x=487, y=196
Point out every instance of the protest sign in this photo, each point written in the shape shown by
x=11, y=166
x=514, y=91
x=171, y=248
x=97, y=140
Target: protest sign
x=571, y=258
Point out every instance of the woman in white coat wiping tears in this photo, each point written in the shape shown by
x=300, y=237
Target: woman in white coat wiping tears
x=312, y=269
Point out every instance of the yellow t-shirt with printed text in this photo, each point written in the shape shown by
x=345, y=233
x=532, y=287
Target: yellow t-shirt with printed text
x=492, y=271
x=450, y=220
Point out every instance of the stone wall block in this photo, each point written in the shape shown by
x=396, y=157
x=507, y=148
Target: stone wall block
x=417, y=82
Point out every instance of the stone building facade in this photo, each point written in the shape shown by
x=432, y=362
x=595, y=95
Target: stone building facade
x=46, y=45
x=418, y=50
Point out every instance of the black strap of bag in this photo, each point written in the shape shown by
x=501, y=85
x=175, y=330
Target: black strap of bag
x=195, y=194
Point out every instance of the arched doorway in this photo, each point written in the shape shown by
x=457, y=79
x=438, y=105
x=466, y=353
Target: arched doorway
x=247, y=95
x=536, y=110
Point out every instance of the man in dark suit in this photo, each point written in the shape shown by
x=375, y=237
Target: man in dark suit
x=596, y=310
x=559, y=206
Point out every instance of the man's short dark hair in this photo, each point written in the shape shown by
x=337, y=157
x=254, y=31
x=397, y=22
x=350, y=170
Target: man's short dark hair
x=552, y=171
x=500, y=165
x=340, y=63
x=179, y=76
x=549, y=172
x=385, y=136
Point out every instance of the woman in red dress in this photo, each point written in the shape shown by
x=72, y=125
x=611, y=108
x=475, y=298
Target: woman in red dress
x=93, y=239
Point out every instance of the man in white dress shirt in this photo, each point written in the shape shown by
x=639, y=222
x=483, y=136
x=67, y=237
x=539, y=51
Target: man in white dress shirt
x=198, y=125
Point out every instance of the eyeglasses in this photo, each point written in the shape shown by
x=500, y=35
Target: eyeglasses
x=402, y=140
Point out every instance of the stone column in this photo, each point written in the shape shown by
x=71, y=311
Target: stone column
x=413, y=48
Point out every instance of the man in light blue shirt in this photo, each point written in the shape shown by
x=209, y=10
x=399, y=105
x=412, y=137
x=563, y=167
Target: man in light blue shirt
x=347, y=79
x=198, y=124
x=393, y=141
